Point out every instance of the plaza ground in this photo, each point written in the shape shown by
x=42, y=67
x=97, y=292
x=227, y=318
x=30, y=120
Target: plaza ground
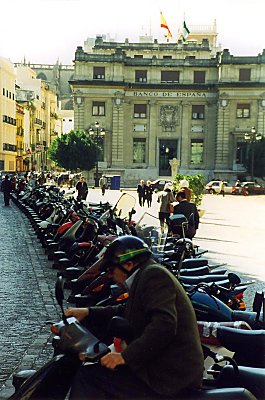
x=232, y=228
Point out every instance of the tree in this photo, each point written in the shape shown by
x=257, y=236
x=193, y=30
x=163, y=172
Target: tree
x=74, y=150
x=196, y=184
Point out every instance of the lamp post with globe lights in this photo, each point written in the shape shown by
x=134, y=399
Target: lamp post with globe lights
x=252, y=137
x=97, y=132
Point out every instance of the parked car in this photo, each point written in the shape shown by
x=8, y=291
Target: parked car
x=213, y=187
x=159, y=184
x=246, y=188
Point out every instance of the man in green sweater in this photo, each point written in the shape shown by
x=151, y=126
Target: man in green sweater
x=164, y=359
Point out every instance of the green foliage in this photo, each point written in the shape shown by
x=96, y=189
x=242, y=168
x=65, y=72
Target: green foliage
x=74, y=150
x=196, y=184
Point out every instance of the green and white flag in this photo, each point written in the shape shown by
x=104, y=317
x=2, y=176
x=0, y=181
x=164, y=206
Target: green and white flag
x=185, y=32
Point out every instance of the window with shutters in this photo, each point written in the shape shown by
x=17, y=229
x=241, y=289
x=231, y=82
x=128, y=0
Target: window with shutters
x=199, y=77
x=139, y=150
x=169, y=76
x=140, y=75
x=244, y=74
x=243, y=111
x=99, y=73
x=98, y=108
x=140, y=111
x=197, y=146
x=198, y=111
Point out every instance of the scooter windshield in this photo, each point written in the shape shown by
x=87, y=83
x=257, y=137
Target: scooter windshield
x=124, y=206
x=149, y=229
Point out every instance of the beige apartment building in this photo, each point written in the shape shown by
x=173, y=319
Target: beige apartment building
x=41, y=102
x=158, y=102
x=20, y=124
x=8, y=130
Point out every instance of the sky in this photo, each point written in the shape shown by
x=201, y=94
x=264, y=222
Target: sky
x=44, y=31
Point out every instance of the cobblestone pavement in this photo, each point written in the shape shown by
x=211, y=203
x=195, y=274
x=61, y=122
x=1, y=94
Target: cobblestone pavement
x=27, y=296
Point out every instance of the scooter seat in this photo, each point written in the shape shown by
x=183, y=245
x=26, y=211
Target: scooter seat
x=234, y=393
x=248, y=345
x=236, y=339
x=64, y=262
x=252, y=379
x=59, y=254
x=195, y=280
x=195, y=271
x=194, y=262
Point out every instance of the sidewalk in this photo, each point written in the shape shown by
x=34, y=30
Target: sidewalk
x=26, y=296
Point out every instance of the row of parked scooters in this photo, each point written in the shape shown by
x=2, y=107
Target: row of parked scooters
x=75, y=235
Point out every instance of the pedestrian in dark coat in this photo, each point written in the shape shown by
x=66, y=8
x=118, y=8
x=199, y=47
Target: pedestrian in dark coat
x=187, y=208
x=141, y=191
x=148, y=193
x=82, y=189
x=6, y=188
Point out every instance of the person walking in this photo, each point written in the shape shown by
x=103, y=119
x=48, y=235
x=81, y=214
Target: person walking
x=164, y=357
x=103, y=184
x=141, y=191
x=190, y=211
x=222, y=188
x=41, y=179
x=6, y=188
x=165, y=198
x=184, y=186
x=148, y=193
x=82, y=189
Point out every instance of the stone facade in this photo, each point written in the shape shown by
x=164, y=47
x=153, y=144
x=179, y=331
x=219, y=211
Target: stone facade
x=57, y=76
x=41, y=102
x=158, y=102
x=8, y=145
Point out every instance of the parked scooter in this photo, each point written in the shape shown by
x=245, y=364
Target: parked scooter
x=74, y=345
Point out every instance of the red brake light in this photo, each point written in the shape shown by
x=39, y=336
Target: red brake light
x=54, y=329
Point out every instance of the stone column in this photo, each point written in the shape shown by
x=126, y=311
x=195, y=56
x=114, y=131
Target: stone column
x=222, y=137
x=174, y=164
x=117, y=134
x=185, y=135
x=152, y=134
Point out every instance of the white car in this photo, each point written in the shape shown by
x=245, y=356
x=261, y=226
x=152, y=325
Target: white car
x=214, y=187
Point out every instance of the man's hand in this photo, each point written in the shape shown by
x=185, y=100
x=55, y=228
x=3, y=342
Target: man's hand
x=78, y=313
x=111, y=360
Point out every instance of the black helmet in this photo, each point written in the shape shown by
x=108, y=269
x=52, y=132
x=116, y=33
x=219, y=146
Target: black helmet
x=122, y=249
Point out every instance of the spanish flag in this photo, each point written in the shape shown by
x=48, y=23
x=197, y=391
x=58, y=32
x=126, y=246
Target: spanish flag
x=164, y=26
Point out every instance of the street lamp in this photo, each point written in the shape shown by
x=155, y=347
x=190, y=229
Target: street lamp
x=99, y=133
x=252, y=137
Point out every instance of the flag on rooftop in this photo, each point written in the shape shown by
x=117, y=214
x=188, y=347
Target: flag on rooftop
x=185, y=32
x=165, y=27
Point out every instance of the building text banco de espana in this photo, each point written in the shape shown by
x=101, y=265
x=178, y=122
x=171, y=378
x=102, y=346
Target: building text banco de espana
x=169, y=94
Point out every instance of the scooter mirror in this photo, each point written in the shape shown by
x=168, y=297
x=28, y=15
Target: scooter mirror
x=234, y=279
x=258, y=302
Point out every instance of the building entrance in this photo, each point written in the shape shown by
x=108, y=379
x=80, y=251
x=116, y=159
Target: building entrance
x=167, y=150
